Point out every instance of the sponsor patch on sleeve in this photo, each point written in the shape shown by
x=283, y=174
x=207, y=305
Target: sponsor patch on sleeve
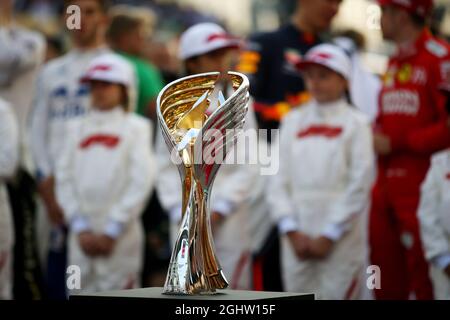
x=436, y=48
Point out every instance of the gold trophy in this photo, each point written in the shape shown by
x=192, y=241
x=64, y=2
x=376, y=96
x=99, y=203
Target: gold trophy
x=191, y=111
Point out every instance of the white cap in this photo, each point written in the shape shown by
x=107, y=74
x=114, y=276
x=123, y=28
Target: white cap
x=203, y=38
x=110, y=67
x=330, y=56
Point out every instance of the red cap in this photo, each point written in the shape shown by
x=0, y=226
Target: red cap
x=422, y=8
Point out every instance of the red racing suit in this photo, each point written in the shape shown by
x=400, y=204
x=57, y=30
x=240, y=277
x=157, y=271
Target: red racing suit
x=412, y=114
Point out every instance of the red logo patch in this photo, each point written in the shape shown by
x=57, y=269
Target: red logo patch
x=219, y=36
x=320, y=130
x=108, y=141
x=448, y=176
x=100, y=67
x=321, y=55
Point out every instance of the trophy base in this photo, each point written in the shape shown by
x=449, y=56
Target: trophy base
x=207, y=286
x=175, y=292
x=156, y=295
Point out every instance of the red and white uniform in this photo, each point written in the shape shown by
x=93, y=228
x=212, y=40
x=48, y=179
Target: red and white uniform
x=9, y=156
x=412, y=114
x=434, y=215
x=104, y=177
x=322, y=189
x=59, y=97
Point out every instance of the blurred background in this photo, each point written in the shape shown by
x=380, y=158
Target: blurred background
x=165, y=21
x=168, y=18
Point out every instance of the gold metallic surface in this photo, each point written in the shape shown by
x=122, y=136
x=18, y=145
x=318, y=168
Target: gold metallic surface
x=182, y=115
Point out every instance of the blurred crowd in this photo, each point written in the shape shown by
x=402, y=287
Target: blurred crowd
x=90, y=200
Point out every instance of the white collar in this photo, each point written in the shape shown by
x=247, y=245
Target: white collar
x=330, y=108
x=90, y=51
x=112, y=113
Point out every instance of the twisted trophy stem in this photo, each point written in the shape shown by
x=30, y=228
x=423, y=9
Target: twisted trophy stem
x=194, y=267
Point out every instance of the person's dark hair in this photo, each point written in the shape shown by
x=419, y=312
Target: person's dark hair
x=186, y=63
x=447, y=103
x=213, y=53
x=348, y=97
x=125, y=99
x=56, y=43
x=355, y=36
x=121, y=24
x=104, y=4
x=419, y=21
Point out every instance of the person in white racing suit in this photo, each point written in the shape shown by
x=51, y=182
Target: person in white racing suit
x=104, y=178
x=9, y=157
x=434, y=217
x=206, y=47
x=320, y=195
x=60, y=97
